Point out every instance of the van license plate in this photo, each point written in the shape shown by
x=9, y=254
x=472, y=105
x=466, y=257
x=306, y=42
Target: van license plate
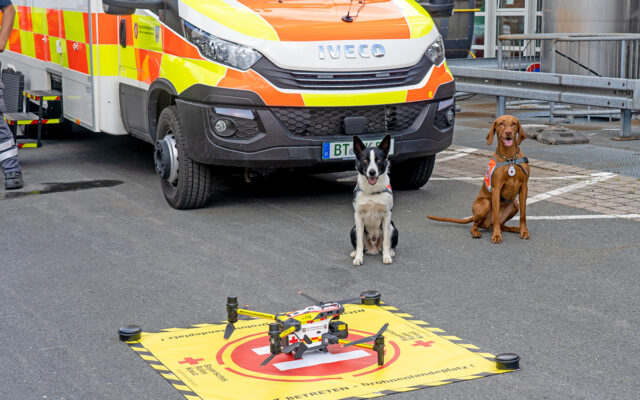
x=344, y=150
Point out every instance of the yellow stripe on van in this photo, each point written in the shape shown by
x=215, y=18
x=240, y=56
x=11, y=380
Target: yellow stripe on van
x=28, y=44
x=106, y=59
x=420, y=23
x=74, y=26
x=145, y=38
x=184, y=73
x=353, y=99
x=241, y=20
x=56, y=57
x=37, y=19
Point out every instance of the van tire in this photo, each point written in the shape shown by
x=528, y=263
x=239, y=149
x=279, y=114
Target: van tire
x=193, y=187
x=413, y=173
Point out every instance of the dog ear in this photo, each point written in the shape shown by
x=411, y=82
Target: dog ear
x=385, y=144
x=358, y=145
x=491, y=133
x=521, y=135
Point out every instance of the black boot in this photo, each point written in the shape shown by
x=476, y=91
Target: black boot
x=13, y=180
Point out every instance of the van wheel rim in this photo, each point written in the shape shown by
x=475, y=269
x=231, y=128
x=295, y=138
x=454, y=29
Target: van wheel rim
x=167, y=159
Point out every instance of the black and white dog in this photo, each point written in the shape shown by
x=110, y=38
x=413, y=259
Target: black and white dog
x=372, y=203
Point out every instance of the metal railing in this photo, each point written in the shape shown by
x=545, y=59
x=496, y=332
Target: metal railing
x=600, y=70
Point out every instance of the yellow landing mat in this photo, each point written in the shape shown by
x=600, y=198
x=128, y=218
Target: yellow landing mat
x=201, y=364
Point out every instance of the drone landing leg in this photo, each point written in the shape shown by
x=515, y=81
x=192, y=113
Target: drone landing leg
x=300, y=350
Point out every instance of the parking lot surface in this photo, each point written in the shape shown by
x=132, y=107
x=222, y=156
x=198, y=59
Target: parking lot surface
x=81, y=259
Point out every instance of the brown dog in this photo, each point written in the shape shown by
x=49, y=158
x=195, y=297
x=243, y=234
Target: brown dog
x=505, y=179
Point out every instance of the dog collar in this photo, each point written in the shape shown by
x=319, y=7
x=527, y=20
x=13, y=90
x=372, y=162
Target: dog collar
x=385, y=190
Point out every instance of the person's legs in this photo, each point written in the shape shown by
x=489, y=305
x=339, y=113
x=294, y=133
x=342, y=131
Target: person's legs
x=9, y=158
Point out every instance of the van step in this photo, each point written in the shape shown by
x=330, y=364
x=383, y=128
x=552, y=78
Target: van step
x=46, y=95
x=28, y=144
x=27, y=119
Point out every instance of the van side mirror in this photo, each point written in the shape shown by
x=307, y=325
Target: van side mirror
x=438, y=8
x=128, y=7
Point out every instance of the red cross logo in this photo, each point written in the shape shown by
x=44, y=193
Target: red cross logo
x=191, y=361
x=421, y=343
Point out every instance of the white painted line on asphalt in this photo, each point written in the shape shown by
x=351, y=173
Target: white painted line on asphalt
x=595, y=178
x=533, y=178
x=460, y=153
x=587, y=216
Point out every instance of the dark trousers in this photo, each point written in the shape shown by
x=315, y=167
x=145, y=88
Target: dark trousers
x=8, y=149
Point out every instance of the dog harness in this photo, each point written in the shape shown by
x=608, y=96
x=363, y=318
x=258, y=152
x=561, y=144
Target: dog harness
x=493, y=165
x=385, y=190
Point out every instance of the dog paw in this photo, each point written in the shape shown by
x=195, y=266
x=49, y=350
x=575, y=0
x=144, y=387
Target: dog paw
x=358, y=259
x=497, y=239
x=393, y=253
x=387, y=258
x=353, y=254
x=476, y=235
x=525, y=235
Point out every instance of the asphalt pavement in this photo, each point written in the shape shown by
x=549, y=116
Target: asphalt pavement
x=77, y=262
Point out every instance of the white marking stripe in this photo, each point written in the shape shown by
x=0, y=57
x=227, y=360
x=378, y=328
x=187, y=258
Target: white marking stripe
x=6, y=145
x=460, y=153
x=8, y=154
x=595, y=178
x=317, y=358
x=587, y=216
x=261, y=351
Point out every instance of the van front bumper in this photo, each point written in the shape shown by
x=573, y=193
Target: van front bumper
x=259, y=136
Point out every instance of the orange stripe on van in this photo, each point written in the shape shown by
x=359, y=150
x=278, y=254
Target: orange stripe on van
x=250, y=80
x=86, y=27
x=55, y=23
x=14, y=41
x=148, y=64
x=77, y=55
x=129, y=29
x=41, y=43
x=178, y=46
x=107, y=26
x=322, y=20
x=24, y=18
x=439, y=75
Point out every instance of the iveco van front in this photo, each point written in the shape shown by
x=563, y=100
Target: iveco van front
x=270, y=84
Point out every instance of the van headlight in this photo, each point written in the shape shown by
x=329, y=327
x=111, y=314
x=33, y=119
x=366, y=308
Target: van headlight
x=435, y=52
x=221, y=51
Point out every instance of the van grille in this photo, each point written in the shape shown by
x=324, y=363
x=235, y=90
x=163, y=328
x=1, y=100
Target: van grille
x=328, y=121
x=308, y=80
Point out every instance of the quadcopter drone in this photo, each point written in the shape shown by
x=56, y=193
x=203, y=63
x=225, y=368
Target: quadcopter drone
x=311, y=328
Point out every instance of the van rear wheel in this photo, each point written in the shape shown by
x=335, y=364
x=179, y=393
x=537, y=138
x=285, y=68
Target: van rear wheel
x=413, y=173
x=185, y=183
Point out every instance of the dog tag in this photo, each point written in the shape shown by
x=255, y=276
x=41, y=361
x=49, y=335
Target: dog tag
x=512, y=170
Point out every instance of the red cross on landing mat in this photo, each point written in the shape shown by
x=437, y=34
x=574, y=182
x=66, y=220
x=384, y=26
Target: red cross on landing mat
x=191, y=361
x=421, y=343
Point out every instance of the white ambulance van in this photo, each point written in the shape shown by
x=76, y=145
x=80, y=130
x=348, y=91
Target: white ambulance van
x=257, y=85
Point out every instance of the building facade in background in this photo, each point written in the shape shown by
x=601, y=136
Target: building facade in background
x=503, y=17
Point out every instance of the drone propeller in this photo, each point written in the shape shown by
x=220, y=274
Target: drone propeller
x=306, y=296
x=368, y=338
x=351, y=300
